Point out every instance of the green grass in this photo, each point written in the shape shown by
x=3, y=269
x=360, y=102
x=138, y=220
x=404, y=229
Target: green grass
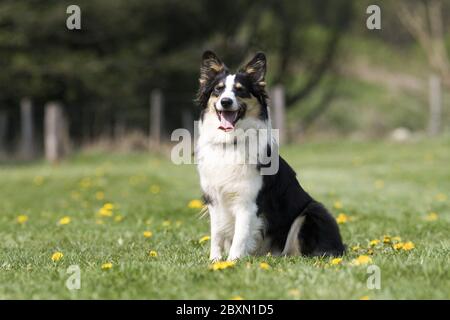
x=413, y=174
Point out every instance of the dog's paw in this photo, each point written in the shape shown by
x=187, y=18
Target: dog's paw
x=215, y=258
x=234, y=257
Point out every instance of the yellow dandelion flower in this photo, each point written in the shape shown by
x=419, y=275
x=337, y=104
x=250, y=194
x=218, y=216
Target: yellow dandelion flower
x=441, y=197
x=118, y=218
x=336, y=261
x=21, y=219
x=107, y=266
x=38, y=180
x=408, y=246
x=155, y=189
x=357, y=161
x=432, y=216
x=364, y=298
x=85, y=183
x=153, y=254
x=105, y=212
x=64, y=220
x=147, y=234
x=166, y=223
x=362, y=260
x=374, y=242
x=342, y=218
x=100, y=195
x=221, y=265
x=237, y=298
x=429, y=157
x=398, y=246
x=264, y=266
x=57, y=256
x=108, y=206
x=338, y=205
x=295, y=293
x=99, y=172
x=378, y=184
x=75, y=195
x=195, y=204
x=203, y=239
x=396, y=239
x=386, y=239
x=370, y=252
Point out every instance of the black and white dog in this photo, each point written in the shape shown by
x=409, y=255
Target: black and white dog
x=251, y=213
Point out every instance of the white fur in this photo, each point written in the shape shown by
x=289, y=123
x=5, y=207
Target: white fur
x=228, y=93
x=232, y=181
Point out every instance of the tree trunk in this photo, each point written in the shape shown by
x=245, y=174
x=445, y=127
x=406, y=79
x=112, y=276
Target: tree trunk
x=435, y=100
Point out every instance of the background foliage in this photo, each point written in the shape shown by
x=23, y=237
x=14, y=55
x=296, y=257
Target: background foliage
x=340, y=77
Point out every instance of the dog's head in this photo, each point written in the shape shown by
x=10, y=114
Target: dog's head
x=232, y=100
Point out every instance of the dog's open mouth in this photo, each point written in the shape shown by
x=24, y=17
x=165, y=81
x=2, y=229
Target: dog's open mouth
x=227, y=119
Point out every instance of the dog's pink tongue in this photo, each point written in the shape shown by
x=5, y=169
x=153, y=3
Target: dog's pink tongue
x=227, y=120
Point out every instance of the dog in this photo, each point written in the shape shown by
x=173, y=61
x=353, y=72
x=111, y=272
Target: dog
x=251, y=213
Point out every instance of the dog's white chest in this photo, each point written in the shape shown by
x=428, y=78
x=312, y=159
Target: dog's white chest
x=224, y=174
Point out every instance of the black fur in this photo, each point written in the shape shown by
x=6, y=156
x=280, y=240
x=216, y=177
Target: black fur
x=206, y=199
x=282, y=199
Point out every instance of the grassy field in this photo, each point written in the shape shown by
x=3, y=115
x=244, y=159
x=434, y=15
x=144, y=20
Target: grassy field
x=378, y=188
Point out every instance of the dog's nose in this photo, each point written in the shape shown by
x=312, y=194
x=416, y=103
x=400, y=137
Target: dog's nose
x=226, y=102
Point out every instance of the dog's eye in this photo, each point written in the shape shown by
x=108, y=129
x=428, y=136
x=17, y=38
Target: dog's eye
x=219, y=87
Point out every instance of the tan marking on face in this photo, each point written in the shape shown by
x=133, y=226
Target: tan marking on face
x=211, y=102
x=253, y=107
x=238, y=85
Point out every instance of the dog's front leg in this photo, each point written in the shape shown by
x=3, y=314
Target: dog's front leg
x=217, y=238
x=245, y=230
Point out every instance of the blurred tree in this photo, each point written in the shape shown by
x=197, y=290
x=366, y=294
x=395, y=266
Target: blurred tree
x=425, y=21
x=103, y=73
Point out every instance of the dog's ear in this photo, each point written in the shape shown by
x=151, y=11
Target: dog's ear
x=256, y=69
x=210, y=68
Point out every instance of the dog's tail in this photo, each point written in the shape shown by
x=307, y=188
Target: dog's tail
x=319, y=233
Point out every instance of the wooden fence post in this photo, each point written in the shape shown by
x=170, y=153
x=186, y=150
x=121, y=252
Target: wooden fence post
x=279, y=111
x=435, y=100
x=27, y=150
x=56, y=133
x=156, y=116
x=3, y=132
